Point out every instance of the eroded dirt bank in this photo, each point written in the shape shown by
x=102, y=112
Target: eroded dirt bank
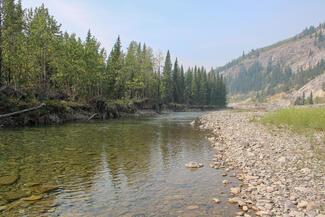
x=280, y=172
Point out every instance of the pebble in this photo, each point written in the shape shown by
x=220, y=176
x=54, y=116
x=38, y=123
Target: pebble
x=302, y=204
x=279, y=171
x=225, y=182
x=192, y=207
x=216, y=200
x=245, y=208
x=193, y=165
x=235, y=190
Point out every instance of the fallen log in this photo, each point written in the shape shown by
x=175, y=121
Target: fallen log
x=91, y=117
x=22, y=111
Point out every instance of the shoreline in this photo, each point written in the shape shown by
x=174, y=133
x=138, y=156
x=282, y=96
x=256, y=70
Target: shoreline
x=55, y=115
x=278, y=169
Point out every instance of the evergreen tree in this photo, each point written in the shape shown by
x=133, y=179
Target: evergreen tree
x=311, y=98
x=182, y=86
x=131, y=69
x=166, y=84
x=203, y=91
x=114, y=70
x=195, y=86
x=176, y=82
x=188, y=86
x=37, y=57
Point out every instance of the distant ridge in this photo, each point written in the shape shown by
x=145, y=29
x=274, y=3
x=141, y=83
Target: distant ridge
x=285, y=66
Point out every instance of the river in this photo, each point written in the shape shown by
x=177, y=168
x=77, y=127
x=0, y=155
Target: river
x=128, y=167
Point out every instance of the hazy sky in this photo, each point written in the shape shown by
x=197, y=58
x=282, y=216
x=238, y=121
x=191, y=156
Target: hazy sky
x=201, y=32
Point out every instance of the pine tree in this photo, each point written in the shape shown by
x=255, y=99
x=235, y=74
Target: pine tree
x=188, y=86
x=311, y=98
x=36, y=56
x=203, y=88
x=114, y=70
x=176, y=82
x=131, y=69
x=166, y=84
x=195, y=86
x=182, y=86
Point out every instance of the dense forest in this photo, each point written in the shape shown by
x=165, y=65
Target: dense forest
x=37, y=57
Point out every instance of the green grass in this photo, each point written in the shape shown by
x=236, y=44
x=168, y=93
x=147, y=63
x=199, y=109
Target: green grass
x=305, y=121
x=298, y=118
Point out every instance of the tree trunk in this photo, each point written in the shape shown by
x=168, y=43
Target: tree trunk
x=22, y=111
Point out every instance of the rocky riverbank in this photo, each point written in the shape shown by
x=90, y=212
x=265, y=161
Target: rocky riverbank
x=280, y=172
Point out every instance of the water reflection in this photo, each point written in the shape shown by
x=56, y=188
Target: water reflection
x=118, y=168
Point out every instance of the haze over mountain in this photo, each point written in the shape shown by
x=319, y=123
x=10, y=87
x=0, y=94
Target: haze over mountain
x=282, y=67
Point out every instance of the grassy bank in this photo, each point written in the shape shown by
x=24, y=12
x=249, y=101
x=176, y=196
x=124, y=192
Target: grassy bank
x=298, y=118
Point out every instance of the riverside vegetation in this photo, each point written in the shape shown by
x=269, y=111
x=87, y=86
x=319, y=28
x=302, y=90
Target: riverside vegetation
x=298, y=118
x=40, y=63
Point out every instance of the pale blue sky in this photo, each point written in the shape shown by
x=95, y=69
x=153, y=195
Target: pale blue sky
x=198, y=32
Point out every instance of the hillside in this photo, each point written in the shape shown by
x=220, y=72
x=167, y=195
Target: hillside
x=283, y=67
x=315, y=86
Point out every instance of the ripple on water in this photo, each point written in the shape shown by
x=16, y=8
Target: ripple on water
x=116, y=168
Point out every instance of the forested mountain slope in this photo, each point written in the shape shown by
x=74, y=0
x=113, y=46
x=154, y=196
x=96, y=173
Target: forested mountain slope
x=283, y=67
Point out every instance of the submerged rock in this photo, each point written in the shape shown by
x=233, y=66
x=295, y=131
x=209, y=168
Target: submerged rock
x=32, y=184
x=216, y=200
x=193, y=165
x=2, y=201
x=33, y=198
x=8, y=180
x=41, y=189
x=2, y=208
x=15, y=195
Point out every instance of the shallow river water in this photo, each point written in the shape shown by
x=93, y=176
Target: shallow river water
x=128, y=167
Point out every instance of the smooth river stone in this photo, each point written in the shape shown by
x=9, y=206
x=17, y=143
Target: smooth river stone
x=3, y=201
x=192, y=207
x=33, y=198
x=8, y=180
x=16, y=195
x=41, y=189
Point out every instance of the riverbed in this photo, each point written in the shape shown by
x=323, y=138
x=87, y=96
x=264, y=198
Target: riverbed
x=128, y=167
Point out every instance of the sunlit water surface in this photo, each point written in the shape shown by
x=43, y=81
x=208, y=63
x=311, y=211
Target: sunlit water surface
x=130, y=167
